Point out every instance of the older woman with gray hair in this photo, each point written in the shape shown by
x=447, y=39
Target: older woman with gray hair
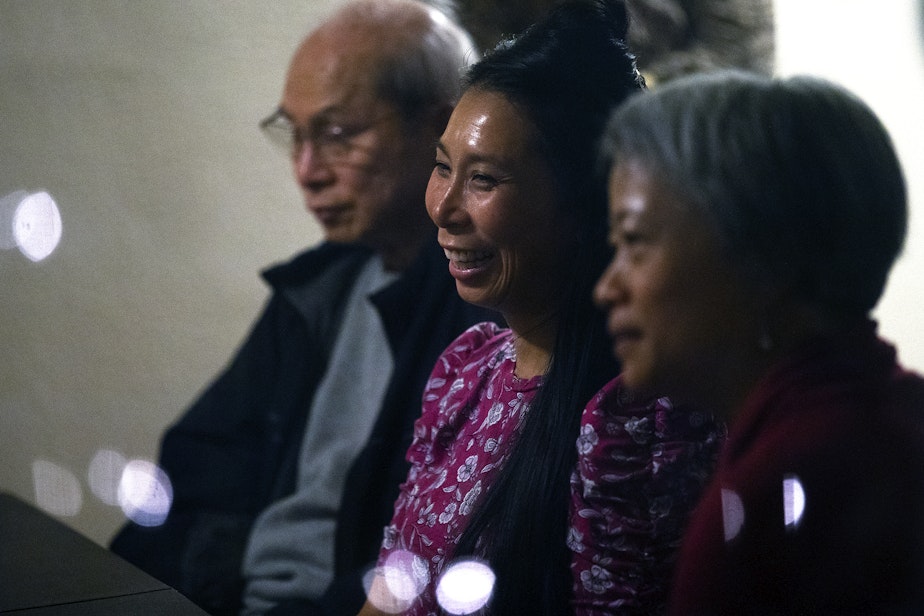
x=755, y=221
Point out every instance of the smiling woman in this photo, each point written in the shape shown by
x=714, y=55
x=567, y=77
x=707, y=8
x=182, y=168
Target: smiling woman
x=138, y=119
x=530, y=458
x=493, y=196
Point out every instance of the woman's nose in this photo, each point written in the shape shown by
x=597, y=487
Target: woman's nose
x=445, y=204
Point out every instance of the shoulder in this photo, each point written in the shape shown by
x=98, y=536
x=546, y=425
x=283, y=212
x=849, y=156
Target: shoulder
x=618, y=415
x=619, y=411
x=314, y=283
x=613, y=420
x=481, y=336
x=312, y=263
x=479, y=343
x=470, y=359
x=624, y=435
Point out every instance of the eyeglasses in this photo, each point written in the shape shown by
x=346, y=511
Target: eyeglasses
x=331, y=141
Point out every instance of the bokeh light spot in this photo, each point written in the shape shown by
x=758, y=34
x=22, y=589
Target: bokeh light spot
x=793, y=501
x=732, y=513
x=37, y=226
x=104, y=475
x=406, y=575
x=57, y=490
x=8, y=205
x=398, y=582
x=465, y=587
x=145, y=493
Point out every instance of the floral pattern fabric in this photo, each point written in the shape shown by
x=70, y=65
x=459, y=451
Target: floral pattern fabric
x=473, y=407
x=640, y=468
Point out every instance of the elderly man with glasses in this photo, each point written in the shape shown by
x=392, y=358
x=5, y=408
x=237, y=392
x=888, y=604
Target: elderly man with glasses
x=285, y=470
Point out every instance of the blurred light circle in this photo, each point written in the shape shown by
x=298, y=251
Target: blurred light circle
x=145, y=493
x=465, y=587
x=57, y=489
x=392, y=587
x=406, y=575
x=732, y=513
x=105, y=474
x=793, y=501
x=37, y=226
x=8, y=205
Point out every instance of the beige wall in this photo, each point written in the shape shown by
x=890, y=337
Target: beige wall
x=139, y=118
x=876, y=49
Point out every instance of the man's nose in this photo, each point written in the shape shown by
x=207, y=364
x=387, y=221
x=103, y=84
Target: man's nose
x=311, y=169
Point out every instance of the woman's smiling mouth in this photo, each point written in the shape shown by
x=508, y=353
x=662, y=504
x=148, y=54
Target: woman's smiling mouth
x=467, y=259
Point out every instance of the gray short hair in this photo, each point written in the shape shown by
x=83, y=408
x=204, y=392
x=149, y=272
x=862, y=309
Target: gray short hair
x=423, y=65
x=798, y=176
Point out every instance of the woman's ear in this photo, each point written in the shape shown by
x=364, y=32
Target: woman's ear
x=767, y=301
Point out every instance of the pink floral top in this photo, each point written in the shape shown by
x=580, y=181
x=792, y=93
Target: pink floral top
x=642, y=465
x=640, y=468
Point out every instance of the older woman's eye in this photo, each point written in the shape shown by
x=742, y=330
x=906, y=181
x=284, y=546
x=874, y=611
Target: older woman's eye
x=623, y=239
x=630, y=237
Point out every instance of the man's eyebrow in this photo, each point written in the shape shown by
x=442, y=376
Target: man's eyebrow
x=280, y=110
x=324, y=116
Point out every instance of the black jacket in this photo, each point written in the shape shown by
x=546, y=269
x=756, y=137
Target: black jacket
x=235, y=450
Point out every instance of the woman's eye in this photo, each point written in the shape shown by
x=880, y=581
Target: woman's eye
x=441, y=169
x=483, y=181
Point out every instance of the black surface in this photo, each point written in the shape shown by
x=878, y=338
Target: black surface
x=48, y=568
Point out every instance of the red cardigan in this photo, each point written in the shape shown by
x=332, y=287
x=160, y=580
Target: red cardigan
x=817, y=502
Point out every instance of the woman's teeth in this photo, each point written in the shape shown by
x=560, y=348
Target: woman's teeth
x=467, y=259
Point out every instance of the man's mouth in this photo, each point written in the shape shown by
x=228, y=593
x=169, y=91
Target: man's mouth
x=328, y=214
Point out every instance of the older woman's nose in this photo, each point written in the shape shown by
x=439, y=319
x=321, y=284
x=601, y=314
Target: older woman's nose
x=609, y=290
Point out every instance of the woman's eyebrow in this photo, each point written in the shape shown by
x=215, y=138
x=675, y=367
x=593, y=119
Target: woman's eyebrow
x=479, y=156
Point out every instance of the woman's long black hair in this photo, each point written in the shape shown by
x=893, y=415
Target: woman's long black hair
x=566, y=73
